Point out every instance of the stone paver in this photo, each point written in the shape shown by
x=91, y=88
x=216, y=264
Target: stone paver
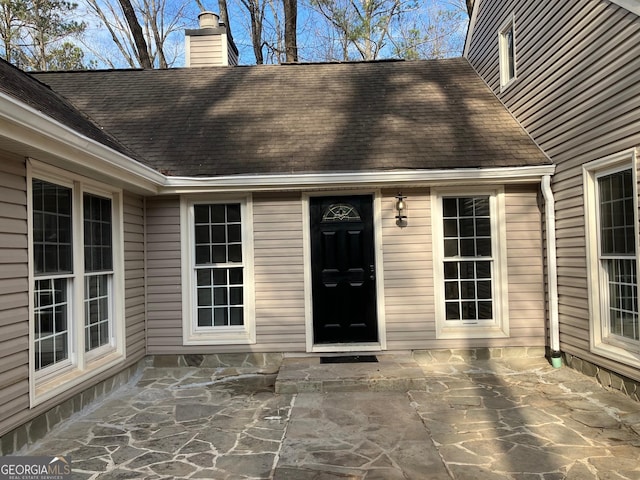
x=357, y=435
x=391, y=373
x=520, y=418
x=515, y=418
x=179, y=423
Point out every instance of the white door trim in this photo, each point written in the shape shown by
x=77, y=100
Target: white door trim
x=381, y=344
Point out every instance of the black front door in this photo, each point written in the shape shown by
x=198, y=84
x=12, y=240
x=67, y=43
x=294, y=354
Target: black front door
x=343, y=270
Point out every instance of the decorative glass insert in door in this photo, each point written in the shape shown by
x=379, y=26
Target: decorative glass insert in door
x=340, y=212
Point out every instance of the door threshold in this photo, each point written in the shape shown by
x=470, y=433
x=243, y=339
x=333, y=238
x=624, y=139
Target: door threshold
x=346, y=347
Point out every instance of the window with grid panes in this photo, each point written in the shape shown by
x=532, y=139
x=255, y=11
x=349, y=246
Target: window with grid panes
x=78, y=290
x=98, y=271
x=468, y=261
x=53, y=272
x=618, y=254
x=219, y=268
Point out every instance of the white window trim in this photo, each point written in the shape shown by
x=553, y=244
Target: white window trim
x=499, y=327
x=503, y=58
x=598, y=342
x=82, y=366
x=112, y=345
x=191, y=334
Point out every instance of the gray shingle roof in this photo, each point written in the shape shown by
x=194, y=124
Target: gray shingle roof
x=17, y=84
x=303, y=118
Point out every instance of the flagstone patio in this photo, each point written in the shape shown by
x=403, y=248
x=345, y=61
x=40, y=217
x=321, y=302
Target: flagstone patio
x=491, y=419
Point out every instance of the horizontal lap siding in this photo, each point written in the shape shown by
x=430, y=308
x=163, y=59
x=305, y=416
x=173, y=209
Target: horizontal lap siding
x=205, y=50
x=279, y=273
x=164, y=302
x=14, y=300
x=578, y=95
x=408, y=274
x=278, y=277
x=134, y=277
x=14, y=285
x=525, y=265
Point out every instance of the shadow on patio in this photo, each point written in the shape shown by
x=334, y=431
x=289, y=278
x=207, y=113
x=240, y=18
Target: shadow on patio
x=494, y=419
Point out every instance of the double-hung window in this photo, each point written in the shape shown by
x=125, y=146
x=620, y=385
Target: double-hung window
x=218, y=293
x=469, y=265
x=53, y=274
x=98, y=272
x=611, y=209
x=77, y=306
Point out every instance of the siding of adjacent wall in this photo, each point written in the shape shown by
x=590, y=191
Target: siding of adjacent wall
x=133, y=207
x=578, y=95
x=408, y=275
x=14, y=278
x=279, y=273
x=164, y=303
x=14, y=300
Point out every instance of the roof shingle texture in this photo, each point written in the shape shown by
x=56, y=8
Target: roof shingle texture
x=17, y=84
x=303, y=118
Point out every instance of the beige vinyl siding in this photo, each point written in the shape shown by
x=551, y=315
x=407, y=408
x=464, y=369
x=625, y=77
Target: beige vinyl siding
x=14, y=300
x=205, y=50
x=408, y=272
x=164, y=303
x=133, y=207
x=279, y=273
x=578, y=95
x=408, y=275
x=14, y=283
x=278, y=277
x=525, y=265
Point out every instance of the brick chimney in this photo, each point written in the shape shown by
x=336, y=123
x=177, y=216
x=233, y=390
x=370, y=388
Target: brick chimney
x=209, y=45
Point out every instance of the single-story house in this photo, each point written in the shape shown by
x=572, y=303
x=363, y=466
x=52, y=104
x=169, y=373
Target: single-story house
x=266, y=210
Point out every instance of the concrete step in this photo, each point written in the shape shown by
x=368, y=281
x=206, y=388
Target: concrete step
x=391, y=373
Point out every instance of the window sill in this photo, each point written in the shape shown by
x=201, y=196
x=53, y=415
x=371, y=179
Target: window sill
x=504, y=87
x=243, y=337
x=59, y=384
x=617, y=354
x=461, y=332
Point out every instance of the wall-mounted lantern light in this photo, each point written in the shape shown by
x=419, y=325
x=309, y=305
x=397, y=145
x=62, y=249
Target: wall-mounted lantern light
x=401, y=218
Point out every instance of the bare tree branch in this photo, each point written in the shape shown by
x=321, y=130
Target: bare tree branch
x=136, y=31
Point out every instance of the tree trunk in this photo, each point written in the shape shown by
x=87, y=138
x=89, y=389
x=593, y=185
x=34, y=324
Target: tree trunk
x=256, y=14
x=136, y=32
x=290, y=30
x=224, y=16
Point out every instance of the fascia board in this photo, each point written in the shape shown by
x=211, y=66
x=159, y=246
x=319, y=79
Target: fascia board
x=461, y=176
x=22, y=123
x=470, y=27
